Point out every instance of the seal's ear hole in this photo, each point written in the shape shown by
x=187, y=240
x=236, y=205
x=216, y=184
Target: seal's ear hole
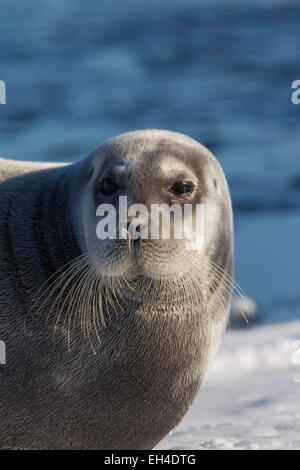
x=215, y=183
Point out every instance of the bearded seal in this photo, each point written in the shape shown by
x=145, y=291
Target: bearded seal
x=107, y=344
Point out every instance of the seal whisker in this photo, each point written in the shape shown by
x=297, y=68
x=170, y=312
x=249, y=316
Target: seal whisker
x=74, y=306
x=97, y=305
x=42, y=297
x=232, y=282
x=228, y=285
x=74, y=281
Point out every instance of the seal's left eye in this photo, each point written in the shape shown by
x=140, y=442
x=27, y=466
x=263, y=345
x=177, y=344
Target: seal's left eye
x=108, y=186
x=183, y=187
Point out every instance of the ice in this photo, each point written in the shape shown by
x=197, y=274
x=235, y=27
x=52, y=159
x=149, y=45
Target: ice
x=251, y=399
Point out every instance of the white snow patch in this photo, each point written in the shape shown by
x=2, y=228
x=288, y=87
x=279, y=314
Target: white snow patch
x=252, y=398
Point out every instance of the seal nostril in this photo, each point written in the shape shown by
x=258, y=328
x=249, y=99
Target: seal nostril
x=136, y=247
x=134, y=229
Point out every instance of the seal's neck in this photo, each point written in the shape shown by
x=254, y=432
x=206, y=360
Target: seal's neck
x=36, y=230
x=54, y=224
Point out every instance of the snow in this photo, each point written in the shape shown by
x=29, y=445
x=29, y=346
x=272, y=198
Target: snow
x=252, y=398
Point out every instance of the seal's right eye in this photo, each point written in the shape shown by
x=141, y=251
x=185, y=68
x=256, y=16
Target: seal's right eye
x=108, y=186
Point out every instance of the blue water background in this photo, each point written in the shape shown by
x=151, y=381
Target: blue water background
x=80, y=71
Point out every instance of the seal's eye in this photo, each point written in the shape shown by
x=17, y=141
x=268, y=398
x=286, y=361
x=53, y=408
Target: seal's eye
x=108, y=186
x=183, y=187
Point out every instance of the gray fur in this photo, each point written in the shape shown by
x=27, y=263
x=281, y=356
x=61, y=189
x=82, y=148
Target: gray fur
x=133, y=387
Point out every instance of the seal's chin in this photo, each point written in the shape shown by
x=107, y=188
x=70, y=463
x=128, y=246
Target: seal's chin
x=151, y=260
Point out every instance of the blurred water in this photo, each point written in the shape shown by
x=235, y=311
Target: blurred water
x=78, y=72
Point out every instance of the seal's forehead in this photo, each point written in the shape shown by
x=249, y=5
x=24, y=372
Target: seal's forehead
x=145, y=150
x=170, y=164
x=151, y=137
x=152, y=152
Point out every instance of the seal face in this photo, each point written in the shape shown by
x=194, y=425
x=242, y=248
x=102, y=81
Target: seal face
x=120, y=331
